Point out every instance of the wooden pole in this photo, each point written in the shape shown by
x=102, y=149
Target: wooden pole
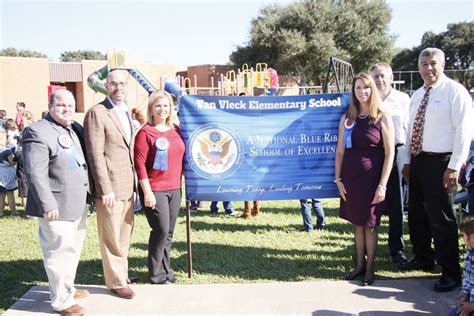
x=188, y=239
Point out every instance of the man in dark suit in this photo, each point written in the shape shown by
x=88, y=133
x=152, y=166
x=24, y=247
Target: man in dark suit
x=56, y=170
x=109, y=140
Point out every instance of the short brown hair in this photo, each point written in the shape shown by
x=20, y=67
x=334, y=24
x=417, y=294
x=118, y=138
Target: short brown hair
x=467, y=225
x=10, y=124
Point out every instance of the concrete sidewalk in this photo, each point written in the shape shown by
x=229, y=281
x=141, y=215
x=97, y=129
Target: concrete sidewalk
x=384, y=297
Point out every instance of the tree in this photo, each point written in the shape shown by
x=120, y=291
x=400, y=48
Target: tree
x=13, y=52
x=299, y=39
x=457, y=45
x=78, y=55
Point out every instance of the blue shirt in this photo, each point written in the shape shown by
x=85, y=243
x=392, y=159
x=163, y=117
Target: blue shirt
x=468, y=275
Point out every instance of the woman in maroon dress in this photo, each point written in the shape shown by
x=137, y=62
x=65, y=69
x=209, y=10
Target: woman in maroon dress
x=364, y=159
x=159, y=152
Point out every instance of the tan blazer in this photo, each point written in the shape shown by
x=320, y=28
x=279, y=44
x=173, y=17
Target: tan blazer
x=109, y=154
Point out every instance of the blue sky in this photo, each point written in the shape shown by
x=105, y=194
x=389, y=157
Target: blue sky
x=180, y=32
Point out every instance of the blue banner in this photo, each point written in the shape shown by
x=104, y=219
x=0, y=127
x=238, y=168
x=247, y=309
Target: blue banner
x=260, y=148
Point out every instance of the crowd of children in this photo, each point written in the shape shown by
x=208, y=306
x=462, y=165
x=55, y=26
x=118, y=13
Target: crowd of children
x=12, y=176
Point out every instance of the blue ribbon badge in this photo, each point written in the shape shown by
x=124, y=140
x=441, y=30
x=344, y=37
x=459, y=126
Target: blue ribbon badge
x=348, y=128
x=66, y=143
x=161, y=156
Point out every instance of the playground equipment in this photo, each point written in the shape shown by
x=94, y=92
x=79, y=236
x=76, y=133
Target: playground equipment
x=265, y=81
x=116, y=60
x=342, y=74
x=247, y=80
x=262, y=80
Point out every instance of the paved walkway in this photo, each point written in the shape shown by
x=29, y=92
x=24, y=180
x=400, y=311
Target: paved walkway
x=384, y=297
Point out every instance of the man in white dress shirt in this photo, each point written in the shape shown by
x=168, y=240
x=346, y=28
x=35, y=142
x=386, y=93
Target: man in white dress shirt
x=436, y=149
x=397, y=104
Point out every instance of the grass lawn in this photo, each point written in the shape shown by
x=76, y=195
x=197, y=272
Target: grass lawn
x=225, y=250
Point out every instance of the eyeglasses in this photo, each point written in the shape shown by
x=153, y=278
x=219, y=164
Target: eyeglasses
x=114, y=84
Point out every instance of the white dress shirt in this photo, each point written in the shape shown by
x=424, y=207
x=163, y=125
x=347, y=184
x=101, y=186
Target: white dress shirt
x=124, y=116
x=397, y=105
x=448, y=121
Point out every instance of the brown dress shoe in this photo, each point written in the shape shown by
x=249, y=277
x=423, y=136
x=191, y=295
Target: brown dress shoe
x=75, y=309
x=124, y=292
x=81, y=294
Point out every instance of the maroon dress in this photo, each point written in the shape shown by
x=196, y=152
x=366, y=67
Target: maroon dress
x=361, y=172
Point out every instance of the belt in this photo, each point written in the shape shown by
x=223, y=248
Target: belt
x=430, y=153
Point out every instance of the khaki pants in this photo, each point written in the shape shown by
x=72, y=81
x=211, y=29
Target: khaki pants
x=115, y=225
x=61, y=243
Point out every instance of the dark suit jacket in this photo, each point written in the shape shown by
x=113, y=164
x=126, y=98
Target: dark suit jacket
x=109, y=154
x=54, y=180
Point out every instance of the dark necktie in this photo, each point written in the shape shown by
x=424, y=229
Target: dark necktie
x=418, y=125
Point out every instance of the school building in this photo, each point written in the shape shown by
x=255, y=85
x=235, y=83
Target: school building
x=31, y=80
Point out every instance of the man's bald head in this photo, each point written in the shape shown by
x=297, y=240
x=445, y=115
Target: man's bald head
x=62, y=107
x=116, y=84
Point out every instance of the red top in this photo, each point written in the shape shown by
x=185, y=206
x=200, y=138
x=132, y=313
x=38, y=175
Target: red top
x=145, y=151
x=19, y=120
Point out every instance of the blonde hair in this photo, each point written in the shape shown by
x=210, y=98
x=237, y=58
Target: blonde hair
x=157, y=95
x=375, y=102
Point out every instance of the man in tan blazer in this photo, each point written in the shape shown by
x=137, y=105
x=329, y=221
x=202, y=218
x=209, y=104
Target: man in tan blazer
x=109, y=137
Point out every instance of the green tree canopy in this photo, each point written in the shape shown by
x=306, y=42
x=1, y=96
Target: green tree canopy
x=13, y=52
x=298, y=39
x=78, y=55
x=456, y=43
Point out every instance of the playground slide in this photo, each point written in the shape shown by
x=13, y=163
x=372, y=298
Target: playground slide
x=96, y=80
x=142, y=80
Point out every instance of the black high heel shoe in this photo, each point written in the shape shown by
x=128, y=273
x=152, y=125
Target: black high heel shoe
x=368, y=280
x=354, y=274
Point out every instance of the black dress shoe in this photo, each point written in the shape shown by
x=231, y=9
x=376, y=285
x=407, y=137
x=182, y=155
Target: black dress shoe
x=354, y=274
x=414, y=264
x=399, y=257
x=131, y=280
x=162, y=282
x=446, y=284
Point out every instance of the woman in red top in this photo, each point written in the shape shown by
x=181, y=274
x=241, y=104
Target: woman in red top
x=159, y=152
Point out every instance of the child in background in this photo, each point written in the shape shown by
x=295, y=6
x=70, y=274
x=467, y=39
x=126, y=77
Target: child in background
x=138, y=119
x=20, y=174
x=28, y=119
x=466, y=296
x=7, y=176
x=3, y=115
x=12, y=134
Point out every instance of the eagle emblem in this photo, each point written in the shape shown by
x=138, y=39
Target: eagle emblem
x=215, y=147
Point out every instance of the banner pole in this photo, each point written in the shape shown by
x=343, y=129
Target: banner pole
x=188, y=239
